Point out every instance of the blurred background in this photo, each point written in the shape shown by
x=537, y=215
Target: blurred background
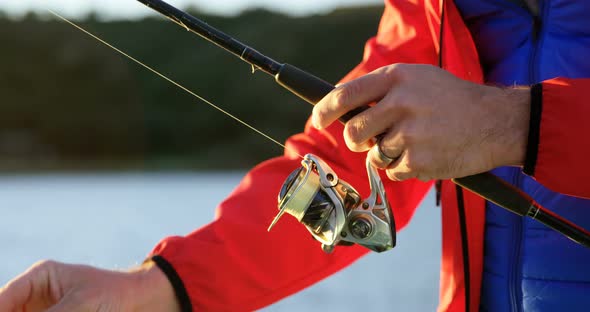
x=99, y=158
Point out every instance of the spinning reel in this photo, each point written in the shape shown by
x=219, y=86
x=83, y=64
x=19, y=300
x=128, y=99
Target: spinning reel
x=333, y=211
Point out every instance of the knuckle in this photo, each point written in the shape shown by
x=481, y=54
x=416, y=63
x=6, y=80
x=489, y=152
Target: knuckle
x=318, y=113
x=317, y=109
x=342, y=95
x=41, y=268
x=410, y=167
x=385, y=70
x=352, y=130
x=400, y=100
x=44, y=264
x=353, y=133
x=406, y=139
x=50, y=267
x=398, y=70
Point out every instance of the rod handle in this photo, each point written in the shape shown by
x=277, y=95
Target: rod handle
x=561, y=225
x=310, y=88
x=498, y=191
x=505, y=195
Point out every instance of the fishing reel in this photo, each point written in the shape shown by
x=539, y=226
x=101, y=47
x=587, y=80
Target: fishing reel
x=333, y=211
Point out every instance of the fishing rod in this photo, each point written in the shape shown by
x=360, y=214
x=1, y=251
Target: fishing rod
x=301, y=83
x=317, y=186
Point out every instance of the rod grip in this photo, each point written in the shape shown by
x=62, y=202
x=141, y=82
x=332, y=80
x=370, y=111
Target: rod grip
x=561, y=225
x=310, y=88
x=498, y=191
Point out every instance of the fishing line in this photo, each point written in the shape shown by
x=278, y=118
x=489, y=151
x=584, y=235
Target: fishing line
x=268, y=137
x=312, y=89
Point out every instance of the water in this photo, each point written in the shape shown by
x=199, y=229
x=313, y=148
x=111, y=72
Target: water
x=113, y=221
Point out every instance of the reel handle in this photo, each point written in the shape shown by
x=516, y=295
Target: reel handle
x=310, y=88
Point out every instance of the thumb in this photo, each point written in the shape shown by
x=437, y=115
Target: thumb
x=24, y=289
x=34, y=290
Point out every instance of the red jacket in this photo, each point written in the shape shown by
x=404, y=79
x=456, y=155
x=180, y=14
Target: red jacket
x=234, y=264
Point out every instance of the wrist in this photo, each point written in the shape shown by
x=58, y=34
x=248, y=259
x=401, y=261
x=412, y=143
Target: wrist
x=153, y=289
x=520, y=97
x=512, y=120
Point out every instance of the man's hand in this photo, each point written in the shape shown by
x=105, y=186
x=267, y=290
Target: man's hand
x=57, y=287
x=435, y=125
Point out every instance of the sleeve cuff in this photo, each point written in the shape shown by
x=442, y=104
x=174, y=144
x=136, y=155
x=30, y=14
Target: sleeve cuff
x=534, y=129
x=177, y=284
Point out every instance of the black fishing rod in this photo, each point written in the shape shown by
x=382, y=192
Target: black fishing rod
x=301, y=83
x=312, y=89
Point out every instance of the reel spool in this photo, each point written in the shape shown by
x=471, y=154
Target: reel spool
x=332, y=210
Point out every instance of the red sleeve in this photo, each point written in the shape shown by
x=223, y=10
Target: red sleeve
x=558, y=140
x=234, y=264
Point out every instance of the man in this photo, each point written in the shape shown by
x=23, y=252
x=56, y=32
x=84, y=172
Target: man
x=439, y=124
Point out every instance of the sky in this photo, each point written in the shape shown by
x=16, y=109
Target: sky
x=131, y=9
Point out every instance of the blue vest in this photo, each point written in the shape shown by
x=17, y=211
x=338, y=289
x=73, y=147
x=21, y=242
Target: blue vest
x=528, y=267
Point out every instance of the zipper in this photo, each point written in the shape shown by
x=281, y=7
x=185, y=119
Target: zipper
x=537, y=41
x=515, y=269
x=514, y=285
x=537, y=21
x=537, y=25
x=515, y=275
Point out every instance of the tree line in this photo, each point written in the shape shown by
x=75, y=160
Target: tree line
x=68, y=102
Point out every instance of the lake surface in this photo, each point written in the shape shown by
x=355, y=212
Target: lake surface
x=113, y=221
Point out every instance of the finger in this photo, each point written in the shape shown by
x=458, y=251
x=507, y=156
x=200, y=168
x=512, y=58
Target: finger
x=14, y=295
x=378, y=159
x=361, y=91
x=423, y=177
x=388, y=149
x=26, y=289
x=360, y=131
x=399, y=175
x=400, y=170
